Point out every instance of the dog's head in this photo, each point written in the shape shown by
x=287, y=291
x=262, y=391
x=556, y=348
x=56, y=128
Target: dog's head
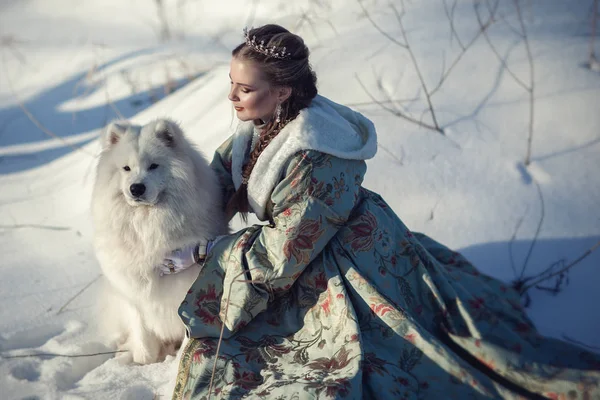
x=146, y=158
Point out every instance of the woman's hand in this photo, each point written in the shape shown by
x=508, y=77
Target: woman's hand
x=181, y=259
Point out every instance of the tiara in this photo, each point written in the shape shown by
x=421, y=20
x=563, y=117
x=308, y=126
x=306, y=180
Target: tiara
x=272, y=51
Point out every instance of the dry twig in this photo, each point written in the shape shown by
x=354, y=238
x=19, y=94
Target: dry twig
x=36, y=226
x=394, y=111
x=483, y=26
x=528, y=283
x=593, y=60
x=234, y=280
x=165, y=31
x=531, y=86
x=405, y=44
x=62, y=355
x=528, y=87
x=510, y=245
x=537, y=231
x=427, y=93
x=450, y=16
x=77, y=294
x=580, y=343
x=9, y=42
x=391, y=154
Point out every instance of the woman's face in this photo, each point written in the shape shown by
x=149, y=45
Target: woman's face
x=252, y=96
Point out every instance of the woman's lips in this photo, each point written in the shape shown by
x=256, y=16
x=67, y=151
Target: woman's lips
x=239, y=108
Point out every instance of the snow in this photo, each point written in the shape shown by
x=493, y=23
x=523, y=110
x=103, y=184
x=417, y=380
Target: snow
x=74, y=66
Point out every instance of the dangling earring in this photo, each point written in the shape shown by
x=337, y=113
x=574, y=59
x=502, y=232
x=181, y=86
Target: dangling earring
x=278, y=113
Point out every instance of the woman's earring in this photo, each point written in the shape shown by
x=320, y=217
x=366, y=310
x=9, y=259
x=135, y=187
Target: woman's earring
x=278, y=113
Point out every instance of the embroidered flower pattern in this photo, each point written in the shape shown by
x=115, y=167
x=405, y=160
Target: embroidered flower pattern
x=301, y=240
x=351, y=301
x=362, y=233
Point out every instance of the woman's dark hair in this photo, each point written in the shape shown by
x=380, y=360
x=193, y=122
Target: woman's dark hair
x=294, y=71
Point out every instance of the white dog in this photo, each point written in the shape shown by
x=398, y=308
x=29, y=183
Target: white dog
x=153, y=193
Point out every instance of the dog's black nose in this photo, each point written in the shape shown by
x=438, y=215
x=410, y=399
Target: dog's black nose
x=137, y=189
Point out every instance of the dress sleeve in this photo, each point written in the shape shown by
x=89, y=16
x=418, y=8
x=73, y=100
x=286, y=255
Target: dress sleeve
x=244, y=270
x=221, y=165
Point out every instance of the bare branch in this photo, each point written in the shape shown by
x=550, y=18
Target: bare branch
x=509, y=25
x=541, y=277
x=593, y=60
x=224, y=318
x=328, y=22
x=510, y=244
x=495, y=51
x=391, y=154
x=450, y=15
x=36, y=226
x=537, y=231
x=77, y=294
x=384, y=33
x=62, y=355
x=368, y=103
x=396, y=112
x=579, y=343
x=418, y=70
x=251, y=13
x=88, y=77
x=10, y=42
x=441, y=73
x=406, y=45
x=110, y=102
x=431, y=214
x=482, y=28
x=165, y=31
x=531, y=86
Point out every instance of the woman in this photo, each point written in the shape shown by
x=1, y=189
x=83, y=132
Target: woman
x=335, y=297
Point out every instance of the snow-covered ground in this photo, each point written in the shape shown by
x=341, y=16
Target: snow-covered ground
x=69, y=67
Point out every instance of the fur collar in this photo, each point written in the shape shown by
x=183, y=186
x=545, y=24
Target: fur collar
x=325, y=126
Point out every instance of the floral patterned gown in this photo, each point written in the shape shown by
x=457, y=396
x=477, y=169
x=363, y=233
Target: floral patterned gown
x=337, y=299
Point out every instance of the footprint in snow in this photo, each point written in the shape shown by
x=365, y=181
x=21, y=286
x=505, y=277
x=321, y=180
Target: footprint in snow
x=31, y=338
x=50, y=368
x=27, y=370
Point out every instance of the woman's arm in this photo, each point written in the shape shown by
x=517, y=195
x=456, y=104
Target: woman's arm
x=311, y=204
x=221, y=165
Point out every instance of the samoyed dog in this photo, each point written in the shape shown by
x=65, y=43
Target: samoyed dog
x=153, y=193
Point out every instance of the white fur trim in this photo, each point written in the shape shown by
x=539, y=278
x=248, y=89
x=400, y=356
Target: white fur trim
x=325, y=126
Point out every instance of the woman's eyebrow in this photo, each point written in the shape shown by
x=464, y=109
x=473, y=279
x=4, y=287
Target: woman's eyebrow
x=243, y=84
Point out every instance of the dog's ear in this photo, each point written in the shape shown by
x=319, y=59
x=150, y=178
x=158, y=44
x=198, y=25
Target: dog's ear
x=113, y=133
x=168, y=132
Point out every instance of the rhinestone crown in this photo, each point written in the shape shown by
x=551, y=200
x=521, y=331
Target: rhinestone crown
x=272, y=51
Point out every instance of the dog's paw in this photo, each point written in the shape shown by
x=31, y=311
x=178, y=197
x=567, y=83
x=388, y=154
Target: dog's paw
x=145, y=354
x=124, y=358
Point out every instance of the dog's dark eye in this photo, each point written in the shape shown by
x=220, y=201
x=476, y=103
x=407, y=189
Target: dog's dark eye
x=152, y=166
x=126, y=168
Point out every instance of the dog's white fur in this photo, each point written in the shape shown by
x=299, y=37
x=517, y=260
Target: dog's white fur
x=181, y=204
